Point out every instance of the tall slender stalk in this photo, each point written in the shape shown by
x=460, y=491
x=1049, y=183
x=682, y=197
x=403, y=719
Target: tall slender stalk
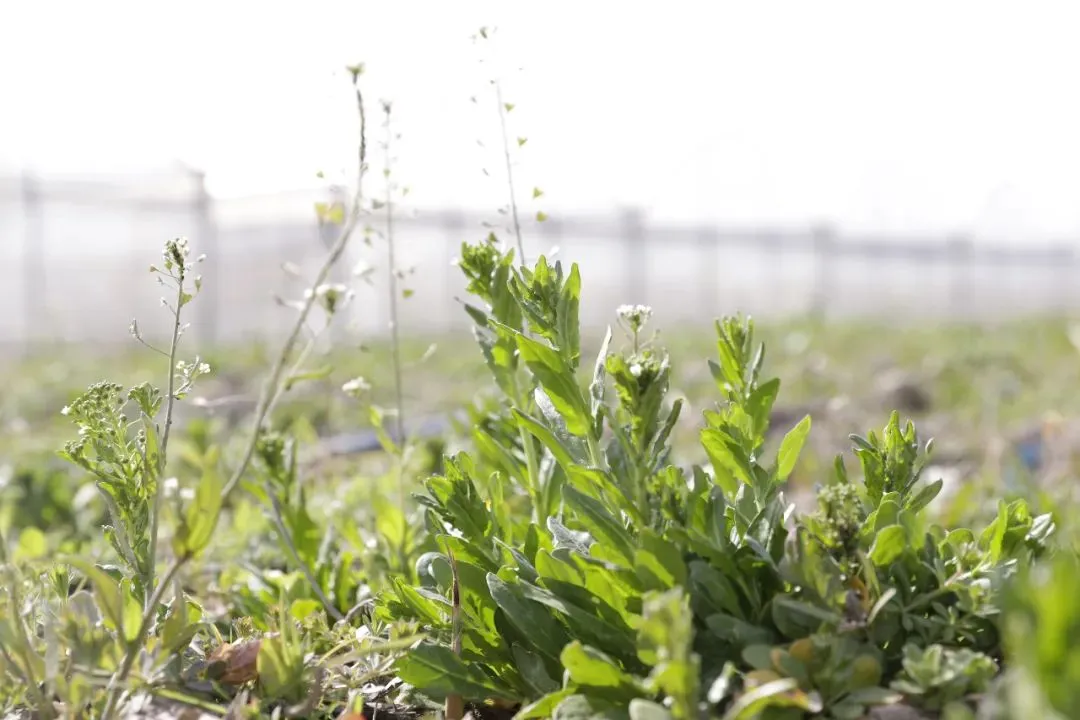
x=532, y=461
x=170, y=402
x=510, y=175
x=272, y=388
x=392, y=277
x=395, y=331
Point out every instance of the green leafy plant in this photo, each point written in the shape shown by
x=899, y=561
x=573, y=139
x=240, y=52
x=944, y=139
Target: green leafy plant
x=819, y=606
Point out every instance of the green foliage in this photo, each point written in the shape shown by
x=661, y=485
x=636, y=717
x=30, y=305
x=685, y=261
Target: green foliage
x=556, y=559
x=647, y=584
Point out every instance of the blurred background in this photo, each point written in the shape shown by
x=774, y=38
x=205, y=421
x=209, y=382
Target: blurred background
x=773, y=158
x=891, y=190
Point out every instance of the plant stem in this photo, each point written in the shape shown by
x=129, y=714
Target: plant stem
x=455, y=708
x=273, y=383
x=395, y=335
x=510, y=174
x=301, y=359
x=155, y=517
x=136, y=646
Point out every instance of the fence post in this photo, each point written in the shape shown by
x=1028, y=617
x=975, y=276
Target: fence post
x=454, y=233
x=635, y=256
x=823, y=241
x=206, y=241
x=34, y=270
x=959, y=253
x=708, y=242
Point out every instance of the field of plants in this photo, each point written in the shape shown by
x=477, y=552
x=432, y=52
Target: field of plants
x=733, y=521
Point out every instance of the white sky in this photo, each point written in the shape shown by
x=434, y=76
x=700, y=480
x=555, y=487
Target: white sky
x=913, y=116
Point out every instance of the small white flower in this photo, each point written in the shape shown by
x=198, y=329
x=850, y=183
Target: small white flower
x=635, y=316
x=635, y=369
x=66, y=410
x=356, y=387
x=169, y=486
x=331, y=295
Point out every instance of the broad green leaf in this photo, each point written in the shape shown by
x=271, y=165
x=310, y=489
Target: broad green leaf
x=424, y=608
x=154, y=460
x=437, y=672
x=558, y=380
x=201, y=516
x=532, y=669
x=601, y=524
x=588, y=707
x=301, y=608
x=600, y=484
x=796, y=618
x=586, y=625
x=728, y=459
x=181, y=624
x=889, y=544
x=133, y=611
x=659, y=563
x=390, y=522
x=737, y=631
x=641, y=709
x=568, y=333
x=107, y=592
x=596, y=388
x=925, y=496
x=32, y=545
x=533, y=620
x=592, y=670
x=760, y=405
x=542, y=433
x=790, y=448
x=993, y=538
x=544, y=707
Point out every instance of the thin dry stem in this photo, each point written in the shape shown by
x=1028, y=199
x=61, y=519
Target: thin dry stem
x=273, y=384
x=395, y=334
x=510, y=175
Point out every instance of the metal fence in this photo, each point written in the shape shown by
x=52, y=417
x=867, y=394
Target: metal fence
x=75, y=256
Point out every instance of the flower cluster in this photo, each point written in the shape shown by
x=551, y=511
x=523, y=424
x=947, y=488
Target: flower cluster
x=634, y=317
